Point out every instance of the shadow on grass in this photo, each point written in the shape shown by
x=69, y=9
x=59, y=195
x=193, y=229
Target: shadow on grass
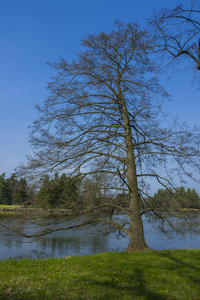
x=180, y=262
x=136, y=290
x=141, y=282
x=194, y=278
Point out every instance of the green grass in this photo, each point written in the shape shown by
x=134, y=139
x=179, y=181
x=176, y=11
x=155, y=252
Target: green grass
x=9, y=206
x=152, y=275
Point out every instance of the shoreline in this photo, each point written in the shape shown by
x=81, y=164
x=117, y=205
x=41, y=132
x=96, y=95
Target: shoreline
x=22, y=210
x=36, y=211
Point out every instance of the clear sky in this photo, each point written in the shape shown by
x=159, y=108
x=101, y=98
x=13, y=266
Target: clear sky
x=34, y=32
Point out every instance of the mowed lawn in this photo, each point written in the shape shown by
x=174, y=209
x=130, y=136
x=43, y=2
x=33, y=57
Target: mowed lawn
x=140, y=275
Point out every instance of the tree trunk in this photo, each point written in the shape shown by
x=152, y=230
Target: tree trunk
x=136, y=232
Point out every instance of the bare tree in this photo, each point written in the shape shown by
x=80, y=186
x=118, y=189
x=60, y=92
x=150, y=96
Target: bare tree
x=103, y=116
x=177, y=33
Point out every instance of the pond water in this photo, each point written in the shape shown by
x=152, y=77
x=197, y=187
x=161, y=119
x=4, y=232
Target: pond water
x=85, y=242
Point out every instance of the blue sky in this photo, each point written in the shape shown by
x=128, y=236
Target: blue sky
x=34, y=32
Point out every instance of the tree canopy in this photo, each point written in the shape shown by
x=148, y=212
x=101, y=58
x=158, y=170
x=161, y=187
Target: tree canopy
x=104, y=116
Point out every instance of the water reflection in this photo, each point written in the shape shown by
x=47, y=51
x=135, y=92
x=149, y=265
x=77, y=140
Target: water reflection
x=60, y=246
x=87, y=242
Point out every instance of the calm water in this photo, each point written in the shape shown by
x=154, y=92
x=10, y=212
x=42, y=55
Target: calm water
x=84, y=242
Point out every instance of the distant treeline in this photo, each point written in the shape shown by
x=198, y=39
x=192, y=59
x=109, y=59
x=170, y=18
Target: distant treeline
x=57, y=191
x=180, y=198
x=78, y=192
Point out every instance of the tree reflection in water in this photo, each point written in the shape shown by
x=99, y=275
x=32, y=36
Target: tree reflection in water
x=85, y=242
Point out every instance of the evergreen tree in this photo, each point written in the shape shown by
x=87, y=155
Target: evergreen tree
x=58, y=191
x=43, y=198
x=21, y=193
x=12, y=186
x=3, y=189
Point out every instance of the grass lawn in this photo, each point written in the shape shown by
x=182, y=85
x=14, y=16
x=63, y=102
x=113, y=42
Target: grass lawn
x=151, y=275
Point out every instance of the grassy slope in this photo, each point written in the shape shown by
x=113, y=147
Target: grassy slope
x=153, y=275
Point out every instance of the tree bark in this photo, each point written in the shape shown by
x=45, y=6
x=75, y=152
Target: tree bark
x=136, y=231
